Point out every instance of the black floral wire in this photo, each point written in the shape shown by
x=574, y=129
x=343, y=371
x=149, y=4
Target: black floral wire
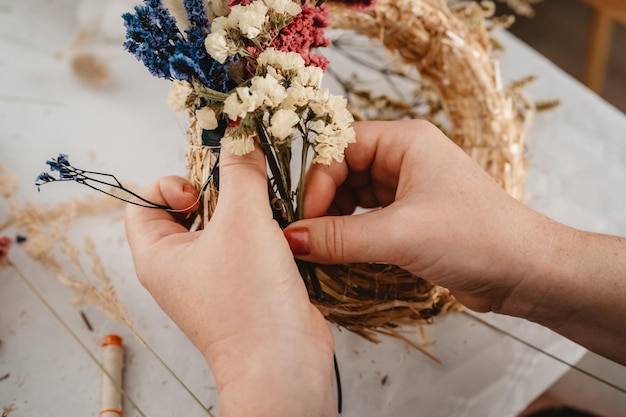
x=97, y=180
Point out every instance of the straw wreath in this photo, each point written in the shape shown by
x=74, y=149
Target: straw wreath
x=451, y=49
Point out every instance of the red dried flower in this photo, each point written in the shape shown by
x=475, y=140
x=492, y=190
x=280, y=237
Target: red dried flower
x=232, y=3
x=304, y=33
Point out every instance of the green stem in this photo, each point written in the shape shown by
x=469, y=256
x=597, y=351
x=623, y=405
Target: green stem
x=283, y=154
x=278, y=174
x=206, y=92
x=279, y=163
x=301, y=182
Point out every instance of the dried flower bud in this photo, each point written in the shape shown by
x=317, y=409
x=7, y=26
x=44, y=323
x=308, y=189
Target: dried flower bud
x=217, y=46
x=287, y=61
x=238, y=145
x=283, y=7
x=282, y=123
x=250, y=19
x=179, y=95
x=206, y=118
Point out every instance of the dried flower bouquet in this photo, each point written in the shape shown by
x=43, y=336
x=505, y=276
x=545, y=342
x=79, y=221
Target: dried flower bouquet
x=247, y=71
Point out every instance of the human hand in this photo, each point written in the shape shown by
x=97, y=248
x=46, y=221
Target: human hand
x=442, y=218
x=235, y=291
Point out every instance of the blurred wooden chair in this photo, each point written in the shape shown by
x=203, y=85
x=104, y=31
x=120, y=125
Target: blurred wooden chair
x=607, y=12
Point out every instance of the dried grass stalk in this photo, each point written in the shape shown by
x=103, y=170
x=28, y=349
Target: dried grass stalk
x=451, y=50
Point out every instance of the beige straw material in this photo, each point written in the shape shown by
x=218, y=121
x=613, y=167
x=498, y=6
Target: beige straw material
x=451, y=50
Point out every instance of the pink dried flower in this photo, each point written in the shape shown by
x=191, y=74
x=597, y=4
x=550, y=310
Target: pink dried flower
x=232, y=3
x=304, y=33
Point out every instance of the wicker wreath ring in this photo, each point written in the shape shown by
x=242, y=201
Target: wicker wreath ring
x=451, y=49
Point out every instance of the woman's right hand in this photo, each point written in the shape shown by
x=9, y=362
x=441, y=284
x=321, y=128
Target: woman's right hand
x=437, y=214
x=441, y=216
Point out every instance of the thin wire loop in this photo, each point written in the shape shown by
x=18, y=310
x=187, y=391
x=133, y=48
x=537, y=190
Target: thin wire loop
x=95, y=179
x=548, y=354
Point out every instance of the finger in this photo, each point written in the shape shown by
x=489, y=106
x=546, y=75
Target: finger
x=243, y=182
x=341, y=239
x=371, y=167
x=148, y=225
x=321, y=186
x=345, y=200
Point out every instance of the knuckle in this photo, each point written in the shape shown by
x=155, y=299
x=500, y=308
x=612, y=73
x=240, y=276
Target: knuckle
x=334, y=242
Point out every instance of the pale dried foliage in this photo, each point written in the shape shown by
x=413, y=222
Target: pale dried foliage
x=451, y=50
x=91, y=69
x=8, y=183
x=46, y=229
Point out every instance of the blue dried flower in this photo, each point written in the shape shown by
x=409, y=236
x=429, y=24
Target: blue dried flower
x=43, y=178
x=184, y=68
x=153, y=37
x=151, y=33
x=63, y=159
x=101, y=182
x=196, y=13
x=62, y=166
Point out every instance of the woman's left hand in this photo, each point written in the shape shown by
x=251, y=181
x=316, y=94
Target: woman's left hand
x=234, y=289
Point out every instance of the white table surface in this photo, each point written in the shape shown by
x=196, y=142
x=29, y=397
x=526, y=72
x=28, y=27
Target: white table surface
x=576, y=176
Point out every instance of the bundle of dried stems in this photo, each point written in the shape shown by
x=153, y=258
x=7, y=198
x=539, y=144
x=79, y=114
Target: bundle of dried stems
x=452, y=51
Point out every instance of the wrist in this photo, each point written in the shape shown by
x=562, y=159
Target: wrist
x=272, y=376
x=541, y=271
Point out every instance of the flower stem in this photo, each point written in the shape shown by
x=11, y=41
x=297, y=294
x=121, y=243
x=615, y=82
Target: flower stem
x=301, y=182
x=280, y=174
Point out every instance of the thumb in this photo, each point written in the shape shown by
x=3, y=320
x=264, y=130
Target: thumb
x=341, y=239
x=145, y=226
x=243, y=180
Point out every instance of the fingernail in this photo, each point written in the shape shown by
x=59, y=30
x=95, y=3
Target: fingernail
x=298, y=238
x=189, y=190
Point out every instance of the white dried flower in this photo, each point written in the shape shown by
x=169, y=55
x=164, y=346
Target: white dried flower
x=337, y=110
x=222, y=24
x=241, y=102
x=206, y=118
x=285, y=61
x=333, y=132
x=217, y=46
x=325, y=153
x=271, y=71
x=269, y=90
x=238, y=145
x=178, y=96
x=298, y=96
x=331, y=144
x=310, y=76
x=349, y=135
x=282, y=123
x=250, y=19
x=319, y=105
x=284, y=7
